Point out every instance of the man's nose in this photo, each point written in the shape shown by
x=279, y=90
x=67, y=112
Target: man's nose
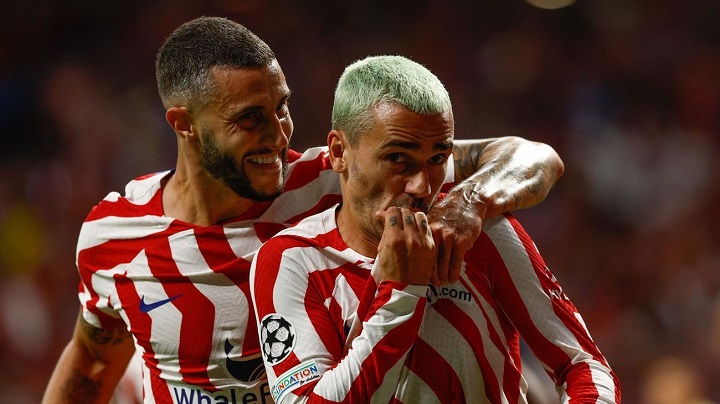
x=418, y=185
x=276, y=134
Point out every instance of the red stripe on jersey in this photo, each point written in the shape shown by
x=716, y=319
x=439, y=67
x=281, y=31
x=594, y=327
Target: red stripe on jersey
x=140, y=327
x=385, y=353
x=266, y=230
x=195, y=338
x=465, y=326
x=221, y=258
x=124, y=208
x=435, y=371
x=293, y=155
x=580, y=387
x=306, y=171
x=323, y=283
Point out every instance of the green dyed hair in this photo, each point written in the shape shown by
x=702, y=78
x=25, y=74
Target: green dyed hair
x=379, y=79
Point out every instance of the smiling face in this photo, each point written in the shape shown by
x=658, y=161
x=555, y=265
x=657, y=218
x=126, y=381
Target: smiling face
x=245, y=130
x=401, y=162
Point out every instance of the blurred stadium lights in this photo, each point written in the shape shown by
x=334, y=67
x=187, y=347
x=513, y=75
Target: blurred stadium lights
x=550, y=4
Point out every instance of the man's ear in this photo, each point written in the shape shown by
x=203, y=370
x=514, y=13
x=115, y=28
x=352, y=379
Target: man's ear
x=337, y=147
x=180, y=120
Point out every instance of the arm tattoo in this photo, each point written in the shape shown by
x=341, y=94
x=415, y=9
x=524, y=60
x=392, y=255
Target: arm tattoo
x=81, y=389
x=104, y=337
x=466, y=158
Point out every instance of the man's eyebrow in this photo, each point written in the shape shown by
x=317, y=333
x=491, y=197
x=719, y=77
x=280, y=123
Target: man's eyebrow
x=236, y=114
x=403, y=144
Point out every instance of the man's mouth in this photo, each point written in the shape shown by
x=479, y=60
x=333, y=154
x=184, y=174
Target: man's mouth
x=263, y=160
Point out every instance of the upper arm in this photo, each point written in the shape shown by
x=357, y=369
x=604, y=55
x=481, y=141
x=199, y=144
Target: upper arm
x=469, y=156
x=108, y=346
x=90, y=366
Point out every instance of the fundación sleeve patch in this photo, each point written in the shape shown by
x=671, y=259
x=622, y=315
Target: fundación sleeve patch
x=294, y=378
x=277, y=338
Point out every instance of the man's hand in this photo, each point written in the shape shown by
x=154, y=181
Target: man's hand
x=456, y=222
x=406, y=252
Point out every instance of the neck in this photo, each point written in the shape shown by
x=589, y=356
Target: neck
x=355, y=234
x=195, y=197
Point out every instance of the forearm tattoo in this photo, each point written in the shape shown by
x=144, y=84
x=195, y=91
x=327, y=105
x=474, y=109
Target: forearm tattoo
x=81, y=389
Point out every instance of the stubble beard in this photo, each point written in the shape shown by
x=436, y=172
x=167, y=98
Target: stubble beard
x=223, y=167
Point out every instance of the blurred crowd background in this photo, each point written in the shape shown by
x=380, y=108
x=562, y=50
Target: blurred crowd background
x=627, y=92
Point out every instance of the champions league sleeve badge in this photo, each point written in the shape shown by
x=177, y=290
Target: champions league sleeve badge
x=277, y=338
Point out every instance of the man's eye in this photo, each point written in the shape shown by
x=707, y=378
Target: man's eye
x=249, y=120
x=283, y=110
x=437, y=159
x=396, y=158
x=250, y=116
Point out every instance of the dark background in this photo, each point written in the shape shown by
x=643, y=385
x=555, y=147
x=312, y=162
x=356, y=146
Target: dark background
x=627, y=92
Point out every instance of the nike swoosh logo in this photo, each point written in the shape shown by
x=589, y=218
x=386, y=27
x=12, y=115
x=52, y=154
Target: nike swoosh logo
x=146, y=307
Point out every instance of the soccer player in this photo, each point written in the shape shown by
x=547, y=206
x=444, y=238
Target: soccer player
x=164, y=268
x=343, y=303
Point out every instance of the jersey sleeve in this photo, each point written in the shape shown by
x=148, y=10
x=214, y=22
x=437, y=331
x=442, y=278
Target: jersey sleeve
x=546, y=319
x=304, y=347
x=97, y=264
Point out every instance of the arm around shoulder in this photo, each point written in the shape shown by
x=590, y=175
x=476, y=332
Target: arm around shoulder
x=505, y=173
x=90, y=366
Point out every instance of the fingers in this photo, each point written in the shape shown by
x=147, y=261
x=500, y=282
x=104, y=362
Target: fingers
x=405, y=219
x=451, y=249
x=406, y=252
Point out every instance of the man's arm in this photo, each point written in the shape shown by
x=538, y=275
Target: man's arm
x=547, y=320
x=304, y=287
x=506, y=173
x=494, y=176
x=90, y=366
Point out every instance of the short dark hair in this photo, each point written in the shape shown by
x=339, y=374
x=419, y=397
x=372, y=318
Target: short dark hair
x=184, y=61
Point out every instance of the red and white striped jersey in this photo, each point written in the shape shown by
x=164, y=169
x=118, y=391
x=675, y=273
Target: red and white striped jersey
x=307, y=281
x=182, y=290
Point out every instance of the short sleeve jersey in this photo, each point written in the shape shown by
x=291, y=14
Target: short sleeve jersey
x=182, y=290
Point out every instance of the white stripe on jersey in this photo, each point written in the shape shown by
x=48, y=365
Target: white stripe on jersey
x=96, y=232
x=166, y=321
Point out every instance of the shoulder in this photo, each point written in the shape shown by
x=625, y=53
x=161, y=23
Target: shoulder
x=141, y=197
x=307, y=232
x=134, y=215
